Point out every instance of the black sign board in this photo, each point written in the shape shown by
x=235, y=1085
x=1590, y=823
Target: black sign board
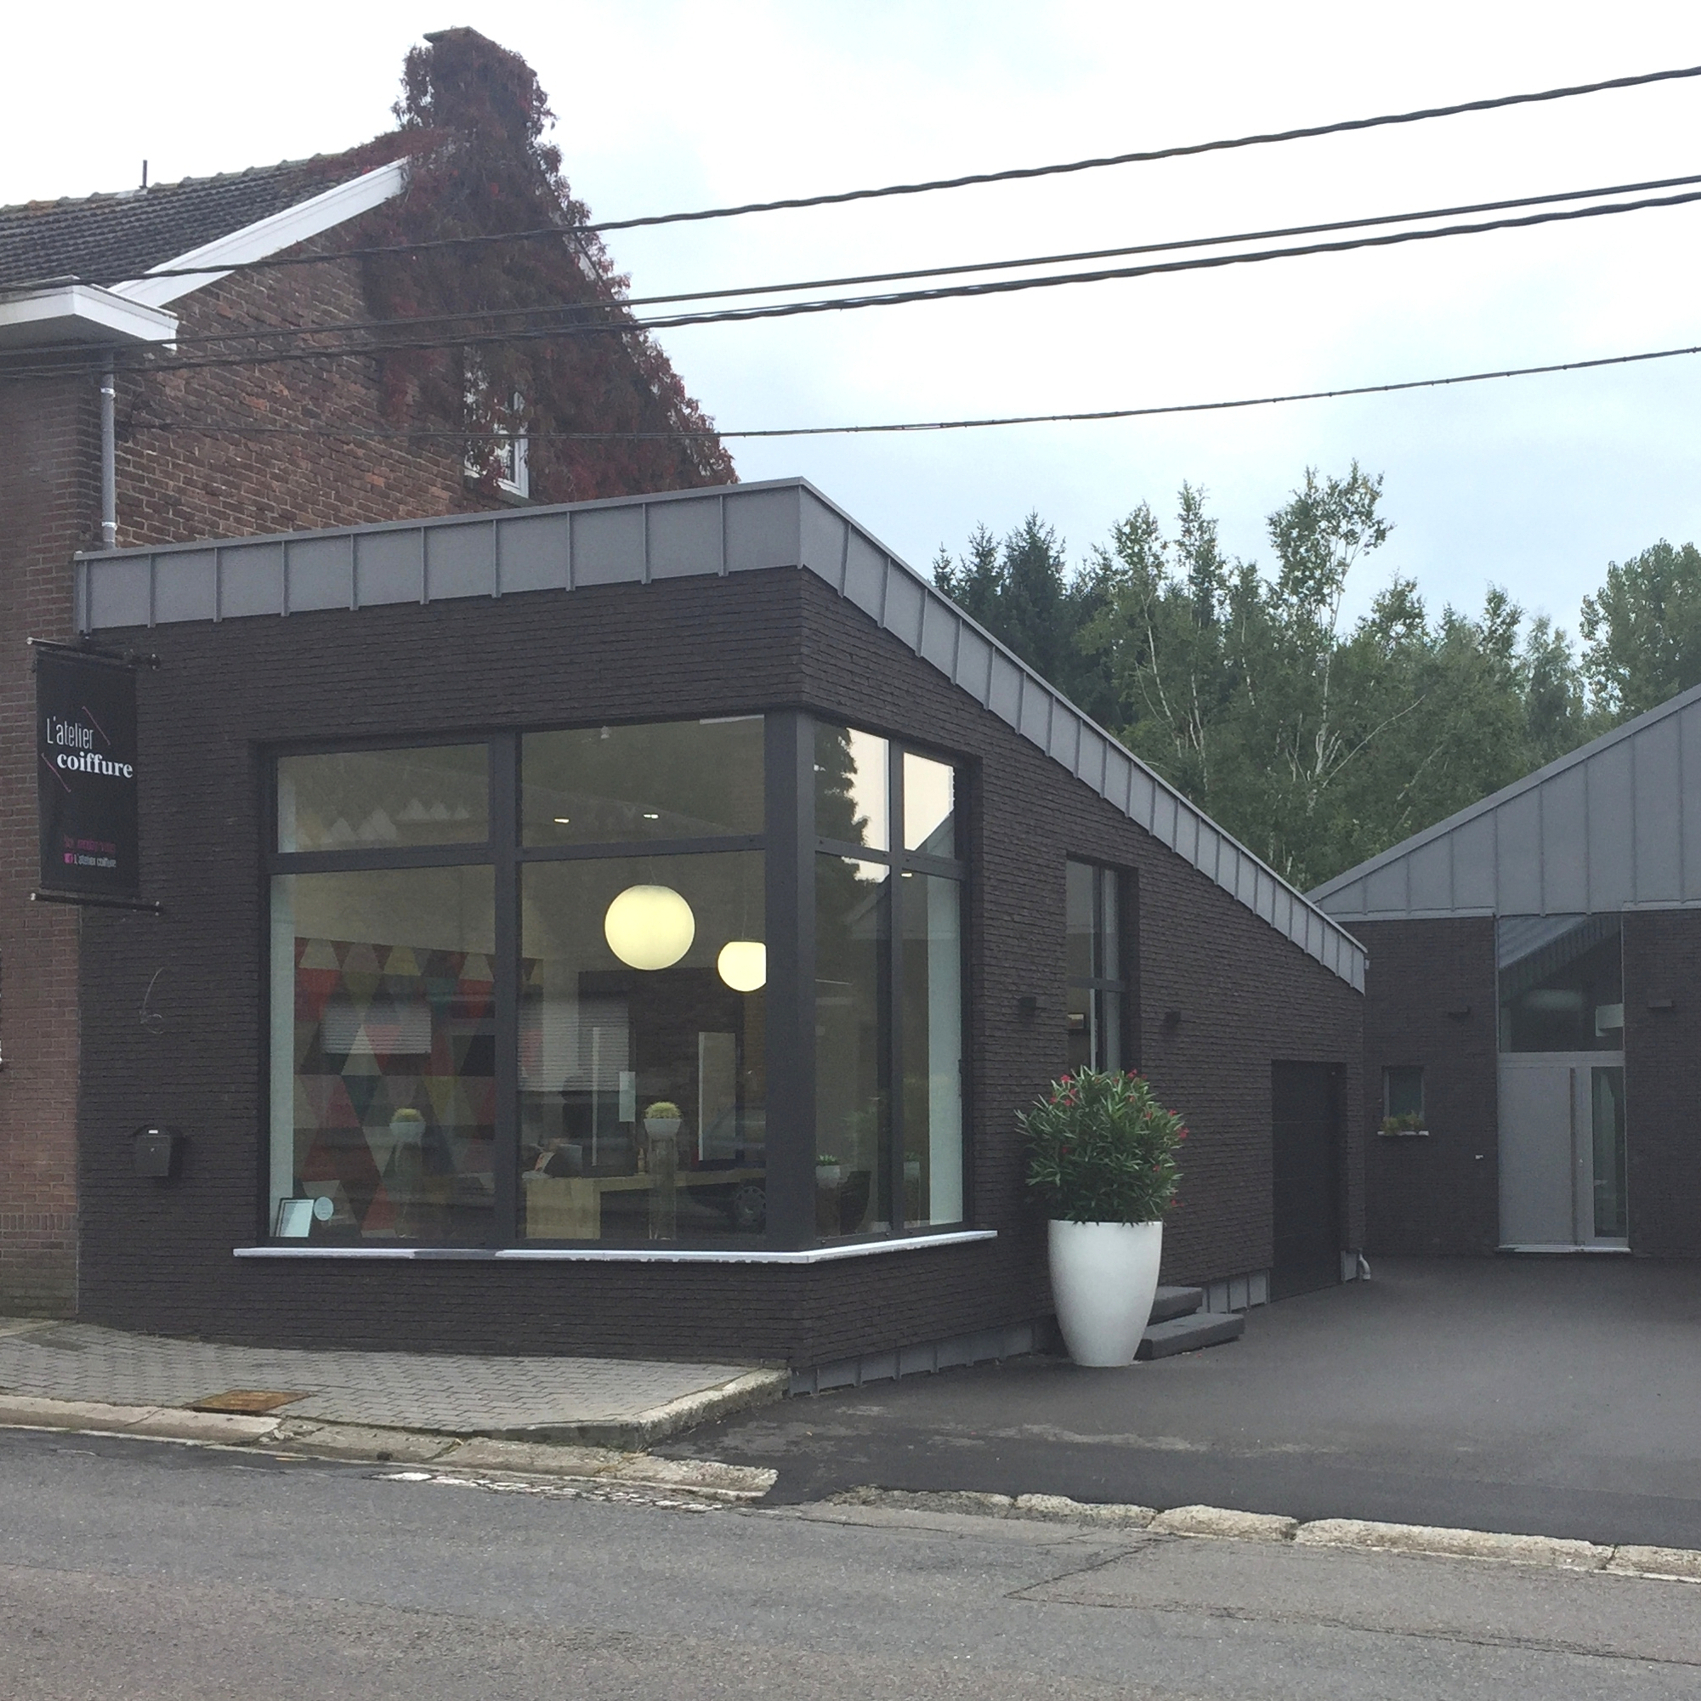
x=85, y=731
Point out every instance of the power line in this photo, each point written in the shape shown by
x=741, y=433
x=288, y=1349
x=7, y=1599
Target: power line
x=791, y=309
x=423, y=321
x=364, y=434
x=929, y=186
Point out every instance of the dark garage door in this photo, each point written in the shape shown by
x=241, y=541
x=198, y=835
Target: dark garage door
x=1307, y=1240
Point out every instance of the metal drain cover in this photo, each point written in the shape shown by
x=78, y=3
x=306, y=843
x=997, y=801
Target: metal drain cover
x=251, y=1400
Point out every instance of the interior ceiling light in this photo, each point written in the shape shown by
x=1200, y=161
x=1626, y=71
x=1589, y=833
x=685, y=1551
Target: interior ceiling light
x=743, y=964
x=564, y=820
x=649, y=927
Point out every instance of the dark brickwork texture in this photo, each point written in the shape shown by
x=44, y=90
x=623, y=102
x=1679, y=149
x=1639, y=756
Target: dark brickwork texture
x=172, y=487
x=1438, y=1196
x=158, y=1255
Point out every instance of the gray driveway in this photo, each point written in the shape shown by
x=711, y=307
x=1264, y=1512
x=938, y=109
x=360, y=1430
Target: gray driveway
x=1547, y=1396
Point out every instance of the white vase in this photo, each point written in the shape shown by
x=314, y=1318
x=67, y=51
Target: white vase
x=1104, y=1277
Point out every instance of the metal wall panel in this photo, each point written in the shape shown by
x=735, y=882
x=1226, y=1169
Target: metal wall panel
x=185, y=586
x=1612, y=827
x=250, y=579
x=389, y=567
x=865, y=574
x=1689, y=750
x=763, y=529
x=608, y=546
x=1385, y=888
x=821, y=537
x=1430, y=873
x=1565, y=842
x=534, y=552
x=1658, y=873
x=460, y=561
x=904, y=599
x=685, y=538
x=1518, y=855
x=319, y=573
x=1474, y=864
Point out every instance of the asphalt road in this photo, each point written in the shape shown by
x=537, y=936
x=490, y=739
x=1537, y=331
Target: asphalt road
x=1543, y=1396
x=137, y=1570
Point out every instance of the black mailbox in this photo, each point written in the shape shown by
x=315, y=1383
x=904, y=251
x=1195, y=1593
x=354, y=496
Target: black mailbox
x=157, y=1151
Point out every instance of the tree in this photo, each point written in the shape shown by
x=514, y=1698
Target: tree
x=1642, y=631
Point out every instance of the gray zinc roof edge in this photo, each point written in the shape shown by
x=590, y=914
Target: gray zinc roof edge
x=1236, y=873
x=1507, y=794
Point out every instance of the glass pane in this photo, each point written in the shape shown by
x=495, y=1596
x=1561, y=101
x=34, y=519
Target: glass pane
x=1561, y=984
x=929, y=806
x=383, y=1055
x=850, y=787
x=643, y=1086
x=621, y=784
x=1109, y=942
x=1107, y=1048
x=852, y=1049
x=932, y=1048
x=381, y=799
x=1611, y=1217
x=1402, y=1090
x=1081, y=919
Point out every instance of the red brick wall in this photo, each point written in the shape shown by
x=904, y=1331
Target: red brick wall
x=49, y=496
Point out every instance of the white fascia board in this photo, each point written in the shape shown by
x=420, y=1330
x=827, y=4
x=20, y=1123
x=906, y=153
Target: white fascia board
x=80, y=313
x=269, y=236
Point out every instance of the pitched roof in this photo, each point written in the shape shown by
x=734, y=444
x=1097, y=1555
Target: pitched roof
x=1615, y=823
x=639, y=539
x=109, y=238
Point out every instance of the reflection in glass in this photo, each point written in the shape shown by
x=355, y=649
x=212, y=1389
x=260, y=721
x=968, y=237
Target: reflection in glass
x=852, y=1048
x=620, y=784
x=1561, y=983
x=1092, y=953
x=931, y=1047
x=642, y=1091
x=1607, y=1099
x=383, y=799
x=929, y=806
x=1402, y=1090
x=851, y=787
x=383, y=1055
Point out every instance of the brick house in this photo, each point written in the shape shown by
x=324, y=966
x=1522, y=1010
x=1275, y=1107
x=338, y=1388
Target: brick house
x=161, y=287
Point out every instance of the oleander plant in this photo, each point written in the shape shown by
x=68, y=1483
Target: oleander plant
x=1103, y=1149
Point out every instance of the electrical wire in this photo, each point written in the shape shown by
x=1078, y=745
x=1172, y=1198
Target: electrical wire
x=931, y=185
x=365, y=434
x=792, y=309
x=423, y=321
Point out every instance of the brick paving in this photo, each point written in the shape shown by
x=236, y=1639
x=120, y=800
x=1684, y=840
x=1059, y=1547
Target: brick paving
x=456, y=1394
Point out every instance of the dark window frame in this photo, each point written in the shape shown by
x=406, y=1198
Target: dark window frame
x=790, y=847
x=1391, y=1069
x=1124, y=882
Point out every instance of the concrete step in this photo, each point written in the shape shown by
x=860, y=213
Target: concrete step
x=1187, y=1334
x=1176, y=1302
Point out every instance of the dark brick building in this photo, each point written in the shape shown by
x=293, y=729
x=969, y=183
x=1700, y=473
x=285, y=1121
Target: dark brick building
x=1531, y=1014
x=633, y=927
x=161, y=287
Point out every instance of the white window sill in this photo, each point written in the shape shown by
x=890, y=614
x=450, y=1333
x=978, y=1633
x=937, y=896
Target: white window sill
x=622, y=1255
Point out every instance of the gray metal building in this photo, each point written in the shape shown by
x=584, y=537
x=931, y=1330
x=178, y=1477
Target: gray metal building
x=1531, y=1007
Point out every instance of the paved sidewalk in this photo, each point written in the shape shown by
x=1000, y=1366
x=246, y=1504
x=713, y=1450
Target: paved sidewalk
x=610, y=1402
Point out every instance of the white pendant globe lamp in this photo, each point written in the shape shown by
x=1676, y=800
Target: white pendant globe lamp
x=649, y=927
x=743, y=964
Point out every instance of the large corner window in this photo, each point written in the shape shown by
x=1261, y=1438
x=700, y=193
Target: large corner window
x=888, y=987
x=519, y=988
x=1095, y=968
x=1561, y=983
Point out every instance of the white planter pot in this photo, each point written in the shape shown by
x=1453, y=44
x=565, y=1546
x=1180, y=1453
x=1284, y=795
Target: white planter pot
x=1104, y=1277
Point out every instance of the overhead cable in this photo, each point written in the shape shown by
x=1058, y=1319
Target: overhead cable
x=930, y=185
x=363, y=434
x=792, y=309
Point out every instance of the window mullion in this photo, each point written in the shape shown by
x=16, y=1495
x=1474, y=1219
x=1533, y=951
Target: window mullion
x=895, y=1191
x=504, y=834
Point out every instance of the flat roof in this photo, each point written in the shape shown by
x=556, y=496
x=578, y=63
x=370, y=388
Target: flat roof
x=692, y=533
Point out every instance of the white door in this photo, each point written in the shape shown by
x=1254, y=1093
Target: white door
x=1562, y=1149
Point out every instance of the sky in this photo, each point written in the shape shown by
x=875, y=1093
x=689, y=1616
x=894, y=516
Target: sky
x=1534, y=484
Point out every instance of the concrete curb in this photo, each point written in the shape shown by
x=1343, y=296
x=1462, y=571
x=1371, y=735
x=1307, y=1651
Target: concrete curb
x=739, y=1393
x=608, y=1467
x=1666, y=1564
